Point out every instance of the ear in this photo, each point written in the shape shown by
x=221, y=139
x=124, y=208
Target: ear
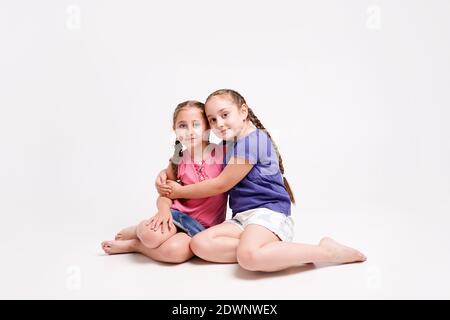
x=244, y=111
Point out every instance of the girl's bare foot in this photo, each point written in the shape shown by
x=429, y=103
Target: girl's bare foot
x=340, y=253
x=119, y=246
x=127, y=233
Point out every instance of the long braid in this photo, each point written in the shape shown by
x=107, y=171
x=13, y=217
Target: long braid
x=239, y=101
x=254, y=119
x=177, y=155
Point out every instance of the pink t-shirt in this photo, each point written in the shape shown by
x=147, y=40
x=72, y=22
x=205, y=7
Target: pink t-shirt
x=208, y=211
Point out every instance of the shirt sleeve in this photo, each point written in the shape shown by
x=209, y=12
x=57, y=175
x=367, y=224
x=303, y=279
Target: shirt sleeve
x=246, y=148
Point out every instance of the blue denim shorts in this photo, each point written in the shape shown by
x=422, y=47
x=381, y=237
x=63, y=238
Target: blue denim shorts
x=186, y=223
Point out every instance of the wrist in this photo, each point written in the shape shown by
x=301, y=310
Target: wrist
x=164, y=209
x=178, y=193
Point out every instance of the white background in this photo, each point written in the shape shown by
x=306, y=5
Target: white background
x=356, y=94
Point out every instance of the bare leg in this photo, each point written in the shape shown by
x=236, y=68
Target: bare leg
x=153, y=239
x=143, y=232
x=173, y=250
x=218, y=243
x=119, y=246
x=261, y=250
x=127, y=233
x=150, y=238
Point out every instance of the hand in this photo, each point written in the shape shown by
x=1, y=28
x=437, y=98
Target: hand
x=161, y=219
x=163, y=189
x=175, y=189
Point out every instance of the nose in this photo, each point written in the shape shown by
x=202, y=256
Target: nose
x=219, y=122
x=191, y=130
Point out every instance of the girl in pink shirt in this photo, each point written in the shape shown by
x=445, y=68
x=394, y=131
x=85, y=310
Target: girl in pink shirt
x=207, y=211
x=166, y=236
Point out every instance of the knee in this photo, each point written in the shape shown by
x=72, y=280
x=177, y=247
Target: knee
x=148, y=237
x=177, y=252
x=201, y=244
x=249, y=258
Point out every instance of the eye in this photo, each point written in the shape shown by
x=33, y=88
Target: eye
x=197, y=124
x=182, y=126
x=224, y=115
x=212, y=120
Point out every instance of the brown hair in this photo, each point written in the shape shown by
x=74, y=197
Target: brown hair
x=178, y=147
x=239, y=100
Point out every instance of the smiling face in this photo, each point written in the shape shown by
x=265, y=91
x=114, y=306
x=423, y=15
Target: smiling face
x=227, y=120
x=190, y=127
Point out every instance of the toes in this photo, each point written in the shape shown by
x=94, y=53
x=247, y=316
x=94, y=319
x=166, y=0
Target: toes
x=106, y=244
x=106, y=248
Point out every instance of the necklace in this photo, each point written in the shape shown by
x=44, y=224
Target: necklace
x=200, y=170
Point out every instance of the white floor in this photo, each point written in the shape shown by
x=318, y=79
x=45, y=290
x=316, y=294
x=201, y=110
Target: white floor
x=405, y=261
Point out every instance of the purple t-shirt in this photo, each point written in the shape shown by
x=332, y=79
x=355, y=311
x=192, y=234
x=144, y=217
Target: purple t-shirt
x=263, y=186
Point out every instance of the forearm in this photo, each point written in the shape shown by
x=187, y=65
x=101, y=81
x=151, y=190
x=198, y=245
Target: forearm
x=204, y=189
x=226, y=180
x=163, y=204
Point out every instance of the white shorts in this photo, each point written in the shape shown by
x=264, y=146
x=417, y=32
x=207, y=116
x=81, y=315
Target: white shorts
x=277, y=222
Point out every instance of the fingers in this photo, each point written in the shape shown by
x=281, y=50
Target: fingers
x=154, y=223
x=163, y=221
x=161, y=179
x=171, y=196
x=157, y=225
x=170, y=223
x=148, y=222
x=167, y=225
x=164, y=190
x=163, y=194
